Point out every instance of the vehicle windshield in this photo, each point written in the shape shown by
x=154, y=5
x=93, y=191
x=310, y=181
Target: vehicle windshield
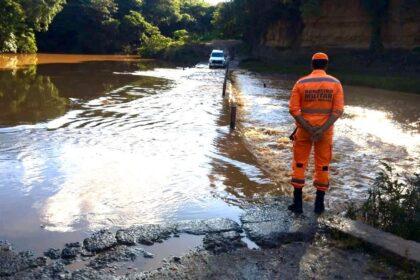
x=217, y=55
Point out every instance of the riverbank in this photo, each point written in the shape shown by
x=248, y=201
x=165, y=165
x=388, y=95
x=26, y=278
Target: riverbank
x=290, y=247
x=393, y=70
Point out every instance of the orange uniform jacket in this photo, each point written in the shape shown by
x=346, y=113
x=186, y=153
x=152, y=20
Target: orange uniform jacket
x=315, y=97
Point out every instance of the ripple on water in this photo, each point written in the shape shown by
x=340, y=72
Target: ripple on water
x=136, y=147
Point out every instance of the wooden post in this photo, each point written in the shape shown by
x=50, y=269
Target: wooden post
x=233, y=115
x=225, y=80
x=224, y=86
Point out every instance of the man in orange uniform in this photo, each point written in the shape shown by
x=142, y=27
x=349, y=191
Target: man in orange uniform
x=316, y=102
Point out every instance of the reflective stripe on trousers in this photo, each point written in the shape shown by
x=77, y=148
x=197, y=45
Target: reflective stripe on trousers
x=323, y=153
x=316, y=111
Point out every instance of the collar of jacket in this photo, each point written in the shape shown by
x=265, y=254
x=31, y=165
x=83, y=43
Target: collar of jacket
x=319, y=72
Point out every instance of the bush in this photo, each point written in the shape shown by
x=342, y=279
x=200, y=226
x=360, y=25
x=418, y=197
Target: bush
x=153, y=46
x=393, y=204
x=181, y=35
x=26, y=42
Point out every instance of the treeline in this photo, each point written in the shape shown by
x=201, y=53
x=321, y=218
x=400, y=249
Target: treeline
x=151, y=26
x=102, y=26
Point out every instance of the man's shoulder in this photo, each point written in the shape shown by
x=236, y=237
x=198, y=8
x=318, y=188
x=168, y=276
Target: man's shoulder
x=317, y=78
x=333, y=78
x=303, y=78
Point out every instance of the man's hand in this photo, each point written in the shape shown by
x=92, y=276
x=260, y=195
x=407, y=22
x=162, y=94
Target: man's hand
x=305, y=125
x=318, y=133
x=310, y=129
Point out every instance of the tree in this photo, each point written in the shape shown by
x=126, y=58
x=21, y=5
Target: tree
x=135, y=28
x=165, y=14
x=200, y=15
x=84, y=26
x=20, y=18
x=39, y=14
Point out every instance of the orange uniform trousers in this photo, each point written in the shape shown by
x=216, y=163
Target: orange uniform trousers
x=315, y=97
x=302, y=147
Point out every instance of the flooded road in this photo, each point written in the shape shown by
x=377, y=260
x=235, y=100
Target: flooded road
x=377, y=125
x=87, y=144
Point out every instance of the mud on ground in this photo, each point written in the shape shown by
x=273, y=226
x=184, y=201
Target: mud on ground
x=290, y=247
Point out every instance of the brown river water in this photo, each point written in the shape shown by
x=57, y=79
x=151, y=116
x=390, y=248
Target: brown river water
x=91, y=142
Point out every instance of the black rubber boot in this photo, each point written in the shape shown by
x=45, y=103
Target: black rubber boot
x=319, y=202
x=297, y=201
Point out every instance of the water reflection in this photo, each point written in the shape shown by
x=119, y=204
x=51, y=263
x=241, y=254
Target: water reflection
x=40, y=93
x=26, y=97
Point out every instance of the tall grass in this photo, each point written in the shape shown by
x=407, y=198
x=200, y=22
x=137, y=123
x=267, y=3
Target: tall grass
x=393, y=204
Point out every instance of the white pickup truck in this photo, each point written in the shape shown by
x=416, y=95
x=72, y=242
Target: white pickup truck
x=217, y=59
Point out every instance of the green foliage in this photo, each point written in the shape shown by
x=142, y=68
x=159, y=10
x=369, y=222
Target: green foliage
x=225, y=21
x=40, y=14
x=12, y=22
x=393, y=204
x=114, y=26
x=19, y=19
x=84, y=26
x=181, y=35
x=154, y=45
x=163, y=13
x=26, y=42
x=198, y=17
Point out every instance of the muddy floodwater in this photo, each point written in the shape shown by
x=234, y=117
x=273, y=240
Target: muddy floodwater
x=93, y=142
x=108, y=142
x=377, y=126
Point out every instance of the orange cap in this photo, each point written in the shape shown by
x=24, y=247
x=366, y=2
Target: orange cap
x=320, y=55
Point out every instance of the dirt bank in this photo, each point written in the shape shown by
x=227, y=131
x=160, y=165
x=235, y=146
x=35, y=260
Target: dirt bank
x=392, y=70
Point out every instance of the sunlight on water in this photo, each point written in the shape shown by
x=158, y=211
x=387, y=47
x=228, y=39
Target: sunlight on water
x=377, y=125
x=106, y=144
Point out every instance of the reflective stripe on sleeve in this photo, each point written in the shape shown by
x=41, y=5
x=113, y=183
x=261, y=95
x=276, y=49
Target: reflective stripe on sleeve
x=326, y=79
x=320, y=185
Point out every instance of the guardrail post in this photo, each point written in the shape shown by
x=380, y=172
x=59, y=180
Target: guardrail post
x=225, y=80
x=233, y=115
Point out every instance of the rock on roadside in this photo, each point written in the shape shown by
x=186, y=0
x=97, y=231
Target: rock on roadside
x=12, y=262
x=223, y=242
x=100, y=241
x=144, y=234
x=149, y=234
x=199, y=227
x=273, y=224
